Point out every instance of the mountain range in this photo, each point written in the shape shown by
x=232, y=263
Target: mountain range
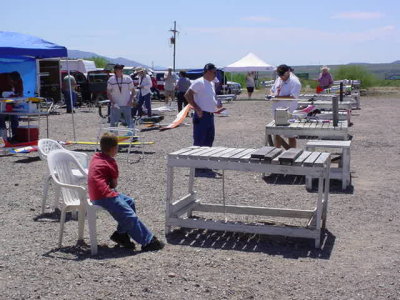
x=118, y=60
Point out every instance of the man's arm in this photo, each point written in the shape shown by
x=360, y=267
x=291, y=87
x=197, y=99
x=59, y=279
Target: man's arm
x=189, y=96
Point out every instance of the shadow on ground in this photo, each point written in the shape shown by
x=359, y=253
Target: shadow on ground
x=292, y=248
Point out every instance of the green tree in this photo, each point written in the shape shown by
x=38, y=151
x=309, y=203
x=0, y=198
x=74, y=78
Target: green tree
x=355, y=72
x=100, y=62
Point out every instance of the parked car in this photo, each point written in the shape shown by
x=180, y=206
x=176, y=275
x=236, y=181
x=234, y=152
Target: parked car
x=233, y=88
x=97, y=81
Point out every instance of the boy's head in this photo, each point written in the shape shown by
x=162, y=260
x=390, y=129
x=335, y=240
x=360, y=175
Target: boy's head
x=109, y=144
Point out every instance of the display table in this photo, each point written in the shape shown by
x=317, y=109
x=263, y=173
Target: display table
x=30, y=116
x=318, y=129
x=179, y=210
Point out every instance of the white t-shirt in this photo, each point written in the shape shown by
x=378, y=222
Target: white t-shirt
x=204, y=94
x=120, y=89
x=290, y=87
x=146, y=84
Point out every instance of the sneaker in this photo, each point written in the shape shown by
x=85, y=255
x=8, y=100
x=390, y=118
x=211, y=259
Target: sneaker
x=123, y=240
x=154, y=245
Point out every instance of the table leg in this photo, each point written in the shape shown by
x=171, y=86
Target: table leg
x=326, y=194
x=319, y=212
x=190, y=189
x=168, y=200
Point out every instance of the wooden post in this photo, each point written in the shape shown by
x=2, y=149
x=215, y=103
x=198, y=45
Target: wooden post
x=335, y=110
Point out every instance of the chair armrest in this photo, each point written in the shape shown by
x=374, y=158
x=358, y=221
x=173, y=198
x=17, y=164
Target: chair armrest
x=82, y=158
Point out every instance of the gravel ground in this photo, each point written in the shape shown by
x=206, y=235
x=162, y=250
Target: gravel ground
x=359, y=258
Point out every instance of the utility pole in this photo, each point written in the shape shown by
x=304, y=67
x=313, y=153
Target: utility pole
x=173, y=42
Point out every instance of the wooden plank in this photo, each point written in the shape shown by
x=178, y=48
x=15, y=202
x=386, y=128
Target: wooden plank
x=243, y=153
x=321, y=160
x=246, y=157
x=299, y=161
x=260, y=153
x=218, y=154
x=213, y=151
x=274, y=153
x=311, y=159
x=194, y=151
x=184, y=150
x=289, y=156
x=329, y=144
x=227, y=155
x=199, y=152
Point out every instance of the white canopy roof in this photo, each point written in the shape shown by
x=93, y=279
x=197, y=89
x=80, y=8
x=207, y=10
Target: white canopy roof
x=249, y=63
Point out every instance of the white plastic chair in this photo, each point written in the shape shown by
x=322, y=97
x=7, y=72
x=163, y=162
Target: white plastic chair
x=45, y=146
x=62, y=165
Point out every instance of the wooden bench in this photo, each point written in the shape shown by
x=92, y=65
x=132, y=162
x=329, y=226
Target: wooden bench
x=343, y=171
x=265, y=160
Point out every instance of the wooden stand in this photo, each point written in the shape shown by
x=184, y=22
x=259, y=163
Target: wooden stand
x=315, y=164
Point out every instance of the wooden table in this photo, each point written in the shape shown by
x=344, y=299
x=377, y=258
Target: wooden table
x=305, y=128
x=179, y=210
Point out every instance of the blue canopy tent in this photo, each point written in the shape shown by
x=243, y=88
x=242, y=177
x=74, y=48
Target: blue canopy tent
x=18, y=52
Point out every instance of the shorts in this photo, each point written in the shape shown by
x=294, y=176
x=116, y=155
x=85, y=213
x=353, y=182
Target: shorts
x=169, y=94
x=250, y=89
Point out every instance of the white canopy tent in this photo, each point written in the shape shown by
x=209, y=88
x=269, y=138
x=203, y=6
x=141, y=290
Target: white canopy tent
x=249, y=63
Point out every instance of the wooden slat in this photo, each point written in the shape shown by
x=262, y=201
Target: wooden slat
x=321, y=160
x=234, y=151
x=243, y=153
x=218, y=154
x=288, y=157
x=299, y=161
x=247, y=156
x=311, y=159
x=184, y=150
x=213, y=151
x=274, y=153
x=190, y=153
x=260, y=153
x=201, y=151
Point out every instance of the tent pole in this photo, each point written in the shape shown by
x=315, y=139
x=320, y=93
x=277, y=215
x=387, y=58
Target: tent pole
x=70, y=99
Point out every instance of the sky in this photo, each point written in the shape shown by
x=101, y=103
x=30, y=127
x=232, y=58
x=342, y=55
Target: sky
x=219, y=31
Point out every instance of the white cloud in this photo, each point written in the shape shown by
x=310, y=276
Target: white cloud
x=358, y=15
x=257, y=19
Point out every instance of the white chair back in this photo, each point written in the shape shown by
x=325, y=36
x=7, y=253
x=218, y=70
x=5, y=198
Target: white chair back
x=63, y=166
x=45, y=146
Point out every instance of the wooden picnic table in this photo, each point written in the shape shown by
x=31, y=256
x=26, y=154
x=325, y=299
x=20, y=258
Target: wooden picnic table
x=179, y=211
x=320, y=129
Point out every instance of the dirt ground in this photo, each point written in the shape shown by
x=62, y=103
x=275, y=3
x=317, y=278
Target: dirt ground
x=359, y=259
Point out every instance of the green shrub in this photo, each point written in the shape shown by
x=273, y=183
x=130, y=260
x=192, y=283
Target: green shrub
x=99, y=61
x=355, y=72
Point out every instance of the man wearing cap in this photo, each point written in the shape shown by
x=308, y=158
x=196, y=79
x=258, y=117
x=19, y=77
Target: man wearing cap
x=287, y=85
x=201, y=96
x=144, y=87
x=121, y=92
x=325, y=79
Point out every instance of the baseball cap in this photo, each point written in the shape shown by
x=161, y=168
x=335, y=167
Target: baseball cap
x=209, y=67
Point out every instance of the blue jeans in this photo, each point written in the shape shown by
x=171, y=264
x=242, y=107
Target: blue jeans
x=123, y=210
x=146, y=99
x=203, y=129
x=67, y=100
x=116, y=113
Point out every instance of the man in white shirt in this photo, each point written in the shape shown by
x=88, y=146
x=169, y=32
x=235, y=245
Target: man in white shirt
x=287, y=85
x=144, y=87
x=201, y=95
x=121, y=92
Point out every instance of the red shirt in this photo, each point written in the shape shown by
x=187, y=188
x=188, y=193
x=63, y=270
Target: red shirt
x=102, y=169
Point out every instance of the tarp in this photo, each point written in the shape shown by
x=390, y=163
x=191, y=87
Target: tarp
x=249, y=63
x=18, y=44
x=26, y=66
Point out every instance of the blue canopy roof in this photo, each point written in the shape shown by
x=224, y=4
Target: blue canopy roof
x=18, y=44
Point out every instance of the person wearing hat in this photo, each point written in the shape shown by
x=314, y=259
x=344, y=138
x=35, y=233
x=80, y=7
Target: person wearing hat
x=144, y=87
x=325, y=79
x=286, y=85
x=169, y=86
x=121, y=92
x=201, y=96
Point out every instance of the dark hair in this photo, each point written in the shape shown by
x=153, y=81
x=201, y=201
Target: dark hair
x=119, y=67
x=15, y=76
x=107, y=142
x=182, y=73
x=282, y=69
x=209, y=67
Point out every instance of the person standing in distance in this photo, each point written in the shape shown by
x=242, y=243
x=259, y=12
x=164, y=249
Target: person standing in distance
x=144, y=93
x=182, y=87
x=201, y=96
x=121, y=92
x=169, y=86
x=287, y=85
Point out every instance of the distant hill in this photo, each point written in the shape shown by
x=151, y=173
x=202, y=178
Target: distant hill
x=118, y=60
x=381, y=71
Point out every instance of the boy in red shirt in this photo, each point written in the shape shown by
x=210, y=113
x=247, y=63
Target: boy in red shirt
x=102, y=181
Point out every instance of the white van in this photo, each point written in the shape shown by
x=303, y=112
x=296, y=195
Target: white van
x=80, y=65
